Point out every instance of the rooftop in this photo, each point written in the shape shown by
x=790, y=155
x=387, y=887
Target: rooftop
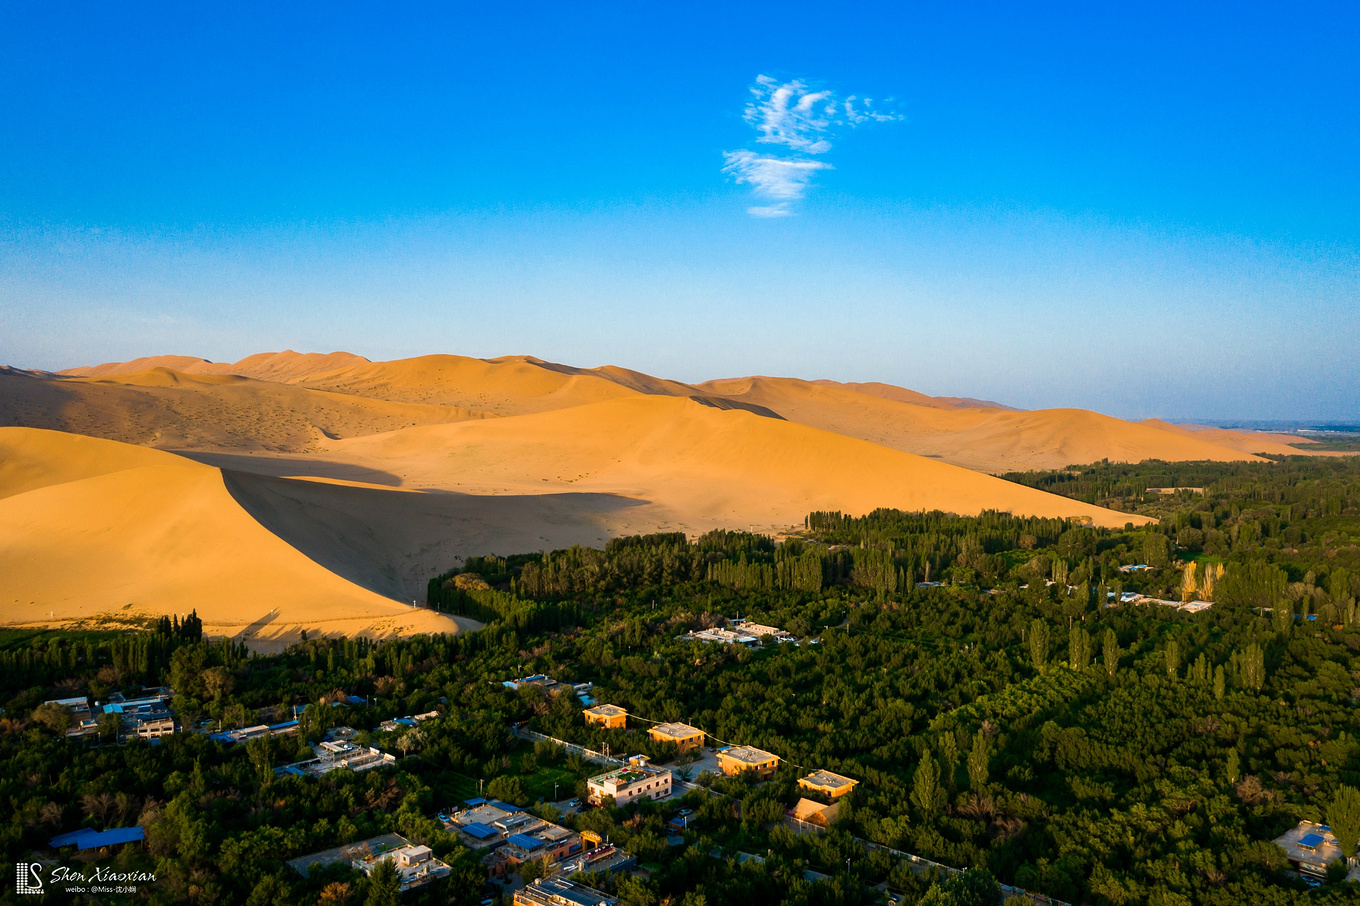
x=607, y=711
x=1313, y=847
x=558, y=891
x=748, y=755
x=678, y=731
x=828, y=779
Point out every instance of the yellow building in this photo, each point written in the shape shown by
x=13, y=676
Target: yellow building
x=809, y=812
x=611, y=717
x=827, y=783
x=684, y=736
x=747, y=758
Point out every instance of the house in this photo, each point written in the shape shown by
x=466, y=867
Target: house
x=1311, y=847
x=828, y=784
x=638, y=780
x=87, y=838
x=814, y=813
x=611, y=717
x=539, y=681
x=416, y=865
x=683, y=736
x=736, y=759
x=558, y=891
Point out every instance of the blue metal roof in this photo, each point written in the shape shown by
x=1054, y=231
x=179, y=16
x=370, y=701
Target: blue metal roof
x=479, y=830
x=111, y=838
x=1312, y=840
x=474, y=802
x=67, y=839
x=524, y=841
x=284, y=725
x=504, y=806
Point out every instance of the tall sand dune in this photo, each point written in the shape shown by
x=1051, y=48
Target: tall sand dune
x=990, y=440
x=170, y=409
x=97, y=532
x=706, y=466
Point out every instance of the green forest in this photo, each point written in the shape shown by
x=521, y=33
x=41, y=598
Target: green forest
x=1006, y=703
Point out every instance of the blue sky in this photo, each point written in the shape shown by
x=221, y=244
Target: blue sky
x=1147, y=212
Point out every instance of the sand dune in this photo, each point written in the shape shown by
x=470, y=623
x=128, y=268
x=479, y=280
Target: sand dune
x=194, y=411
x=264, y=366
x=704, y=466
x=1245, y=441
x=96, y=531
x=990, y=440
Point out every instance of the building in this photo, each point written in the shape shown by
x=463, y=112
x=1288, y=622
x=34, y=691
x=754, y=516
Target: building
x=486, y=824
x=539, y=681
x=558, y=891
x=83, y=722
x=746, y=627
x=683, y=736
x=815, y=813
x=416, y=865
x=638, y=780
x=724, y=636
x=1311, y=848
x=602, y=859
x=536, y=840
x=340, y=755
x=154, y=728
x=828, y=784
x=736, y=759
x=611, y=717
x=246, y=734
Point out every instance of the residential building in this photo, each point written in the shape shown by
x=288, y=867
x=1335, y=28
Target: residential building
x=558, y=891
x=815, y=813
x=416, y=865
x=827, y=783
x=1311, y=847
x=611, y=717
x=736, y=759
x=540, y=681
x=684, y=736
x=638, y=780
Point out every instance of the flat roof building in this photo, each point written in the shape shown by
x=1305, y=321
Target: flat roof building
x=611, y=717
x=416, y=865
x=535, y=840
x=638, y=780
x=683, y=736
x=1311, y=847
x=558, y=891
x=736, y=759
x=827, y=783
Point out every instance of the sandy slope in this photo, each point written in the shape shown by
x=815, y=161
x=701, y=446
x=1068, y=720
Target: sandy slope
x=92, y=527
x=1246, y=441
x=991, y=440
x=178, y=410
x=705, y=466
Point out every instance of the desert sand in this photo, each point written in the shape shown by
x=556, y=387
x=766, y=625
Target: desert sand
x=294, y=491
x=96, y=532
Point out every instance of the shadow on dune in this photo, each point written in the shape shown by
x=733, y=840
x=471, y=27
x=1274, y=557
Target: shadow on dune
x=278, y=466
x=394, y=542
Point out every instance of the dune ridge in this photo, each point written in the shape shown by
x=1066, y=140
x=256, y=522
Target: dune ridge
x=96, y=531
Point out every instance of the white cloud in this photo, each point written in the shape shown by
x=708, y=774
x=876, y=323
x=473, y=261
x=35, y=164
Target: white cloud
x=778, y=178
x=803, y=120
